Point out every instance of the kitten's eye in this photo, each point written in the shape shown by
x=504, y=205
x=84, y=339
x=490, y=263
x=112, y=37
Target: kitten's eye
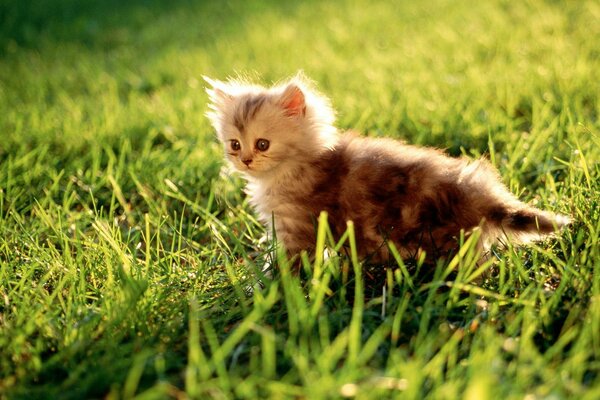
x=262, y=144
x=235, y=145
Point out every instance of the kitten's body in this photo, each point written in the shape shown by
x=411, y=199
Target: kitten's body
x=418, y=198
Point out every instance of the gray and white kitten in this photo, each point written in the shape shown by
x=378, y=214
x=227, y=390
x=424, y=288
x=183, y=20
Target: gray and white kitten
x=297, y=164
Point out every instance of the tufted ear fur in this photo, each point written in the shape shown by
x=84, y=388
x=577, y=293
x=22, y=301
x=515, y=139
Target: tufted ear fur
x=219, y=100
x=292, y=100
x=217, y=94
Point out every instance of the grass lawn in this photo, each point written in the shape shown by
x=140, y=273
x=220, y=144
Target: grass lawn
x=126, y=253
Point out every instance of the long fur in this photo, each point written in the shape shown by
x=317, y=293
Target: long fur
x=418, y=198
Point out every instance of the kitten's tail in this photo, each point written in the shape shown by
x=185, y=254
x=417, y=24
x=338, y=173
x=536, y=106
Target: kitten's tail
x=525, y=224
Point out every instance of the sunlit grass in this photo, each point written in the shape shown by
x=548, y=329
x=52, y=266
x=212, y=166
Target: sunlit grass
x=127, y=258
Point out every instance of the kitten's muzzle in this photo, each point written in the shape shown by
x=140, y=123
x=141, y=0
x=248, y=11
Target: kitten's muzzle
x=247, y=161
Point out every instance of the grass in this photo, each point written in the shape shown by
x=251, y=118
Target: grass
x=126, y=256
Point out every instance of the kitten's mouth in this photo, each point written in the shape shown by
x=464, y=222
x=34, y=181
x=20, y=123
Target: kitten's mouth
x=252, y=171
x=249, y=168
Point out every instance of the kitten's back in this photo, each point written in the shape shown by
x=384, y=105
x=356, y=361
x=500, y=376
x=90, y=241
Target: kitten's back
x=418, y=197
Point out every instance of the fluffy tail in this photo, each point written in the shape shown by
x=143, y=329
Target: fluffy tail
x=526, y=224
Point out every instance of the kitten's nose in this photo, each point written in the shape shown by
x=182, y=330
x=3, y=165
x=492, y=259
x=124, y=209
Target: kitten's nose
x=247, y=161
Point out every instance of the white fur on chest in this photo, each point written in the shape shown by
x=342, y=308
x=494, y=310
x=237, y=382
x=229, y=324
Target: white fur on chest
x=276, y=196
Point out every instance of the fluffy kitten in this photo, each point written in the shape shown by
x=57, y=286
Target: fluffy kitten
x=297, y=164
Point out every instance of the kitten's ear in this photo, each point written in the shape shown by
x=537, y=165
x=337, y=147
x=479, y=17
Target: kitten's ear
x=293, y=100
x=217, y=93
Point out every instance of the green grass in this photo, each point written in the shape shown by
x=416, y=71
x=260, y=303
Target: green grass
x=126, y=256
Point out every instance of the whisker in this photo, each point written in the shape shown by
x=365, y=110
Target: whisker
x=273, y=158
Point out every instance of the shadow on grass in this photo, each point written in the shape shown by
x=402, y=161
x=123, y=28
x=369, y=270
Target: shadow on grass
x=111, y=23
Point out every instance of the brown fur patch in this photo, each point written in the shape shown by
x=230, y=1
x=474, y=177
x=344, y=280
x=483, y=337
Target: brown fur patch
x=247, y=110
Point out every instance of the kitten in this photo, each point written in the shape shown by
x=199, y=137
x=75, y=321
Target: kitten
x=297, y=164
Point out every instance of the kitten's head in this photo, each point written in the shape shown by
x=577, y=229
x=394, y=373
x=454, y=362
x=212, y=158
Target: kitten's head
x=263, y=130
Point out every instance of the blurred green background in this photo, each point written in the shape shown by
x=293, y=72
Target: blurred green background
x=124, y=251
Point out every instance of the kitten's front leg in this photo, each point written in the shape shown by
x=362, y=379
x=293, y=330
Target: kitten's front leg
x=295, y=237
